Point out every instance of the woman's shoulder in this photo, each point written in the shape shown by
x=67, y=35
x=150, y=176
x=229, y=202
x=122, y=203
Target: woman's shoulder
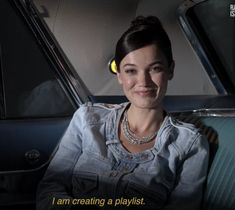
x=183, y=126
x=106, y=106
x=100, y=107
x=187, y=135
x=97, y=112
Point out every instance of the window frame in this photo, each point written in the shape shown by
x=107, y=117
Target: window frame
x=203, y=47
x=64, y=69
x=64, y=73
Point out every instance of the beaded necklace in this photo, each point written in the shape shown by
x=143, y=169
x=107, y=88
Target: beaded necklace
x=131, y=136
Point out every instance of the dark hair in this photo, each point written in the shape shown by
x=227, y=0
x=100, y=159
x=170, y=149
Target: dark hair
x=143, y=31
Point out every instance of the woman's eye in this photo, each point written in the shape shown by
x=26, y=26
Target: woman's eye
x=157, y=69
x=130, y=71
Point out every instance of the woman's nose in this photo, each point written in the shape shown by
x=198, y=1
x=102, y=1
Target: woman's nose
x=144, y=79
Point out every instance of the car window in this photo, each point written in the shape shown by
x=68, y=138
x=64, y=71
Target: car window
x=219, y=24
x=212, y=23
x=29, y=86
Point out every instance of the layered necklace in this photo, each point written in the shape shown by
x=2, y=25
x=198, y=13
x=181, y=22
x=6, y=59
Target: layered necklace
x=131, y=136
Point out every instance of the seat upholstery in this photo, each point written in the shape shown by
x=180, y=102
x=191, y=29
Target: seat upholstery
x=220, y=185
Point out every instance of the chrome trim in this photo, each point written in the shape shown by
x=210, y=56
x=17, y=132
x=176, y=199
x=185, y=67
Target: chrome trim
x=225, y=112
x=19, y=171
x=195, y=43
x=53, y=51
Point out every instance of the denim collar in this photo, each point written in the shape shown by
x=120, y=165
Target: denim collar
x=114, y=142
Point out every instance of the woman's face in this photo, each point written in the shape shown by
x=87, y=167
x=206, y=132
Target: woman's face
x=144, y=74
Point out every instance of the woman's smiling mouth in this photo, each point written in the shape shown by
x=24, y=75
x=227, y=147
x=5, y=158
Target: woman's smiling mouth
x=149, y=92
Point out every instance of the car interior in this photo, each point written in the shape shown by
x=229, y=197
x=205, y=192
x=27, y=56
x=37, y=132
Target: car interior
x=50, y=65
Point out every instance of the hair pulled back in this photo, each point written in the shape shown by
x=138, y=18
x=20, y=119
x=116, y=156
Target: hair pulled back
x=143, y=31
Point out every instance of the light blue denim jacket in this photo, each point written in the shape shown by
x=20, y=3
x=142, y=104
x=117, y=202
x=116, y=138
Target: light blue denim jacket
x=92, y=163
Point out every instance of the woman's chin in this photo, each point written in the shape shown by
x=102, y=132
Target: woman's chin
x=146, y=103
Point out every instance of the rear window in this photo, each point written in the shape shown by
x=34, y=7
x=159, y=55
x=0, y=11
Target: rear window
x=29, y=86
x=219, y=25
x=213, y=21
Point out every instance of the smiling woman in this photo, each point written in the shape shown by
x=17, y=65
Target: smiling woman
x=144, y=66
x=144, y=73
x=134, y=149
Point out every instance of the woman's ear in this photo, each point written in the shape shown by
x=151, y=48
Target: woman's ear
x=171, y=70
x=119, y=77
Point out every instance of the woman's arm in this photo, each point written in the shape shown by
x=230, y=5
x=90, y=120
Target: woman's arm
x=188, y=192
x=56, y=183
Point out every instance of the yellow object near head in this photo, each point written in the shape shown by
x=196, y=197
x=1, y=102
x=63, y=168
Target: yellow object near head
x=113, y=66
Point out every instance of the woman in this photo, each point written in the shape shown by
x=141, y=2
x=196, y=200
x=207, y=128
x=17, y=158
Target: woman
x=132, y=155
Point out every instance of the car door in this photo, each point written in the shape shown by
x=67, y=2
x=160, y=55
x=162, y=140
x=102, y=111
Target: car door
x=38, y=96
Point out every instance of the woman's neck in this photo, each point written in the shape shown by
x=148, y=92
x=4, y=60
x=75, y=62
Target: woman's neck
x=144, y=121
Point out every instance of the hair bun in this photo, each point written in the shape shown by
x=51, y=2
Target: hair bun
x=146, y=21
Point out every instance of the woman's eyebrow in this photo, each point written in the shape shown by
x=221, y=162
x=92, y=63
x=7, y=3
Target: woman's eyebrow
x=151, y=64
x=128, y=64
x=156, y=62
